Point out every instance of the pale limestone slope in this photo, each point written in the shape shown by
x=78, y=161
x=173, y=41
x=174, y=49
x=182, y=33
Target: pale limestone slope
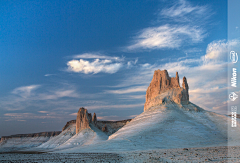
x=56, y=141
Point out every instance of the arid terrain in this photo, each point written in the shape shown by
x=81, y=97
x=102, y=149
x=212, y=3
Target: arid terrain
x=204, y=154
x=171, y=129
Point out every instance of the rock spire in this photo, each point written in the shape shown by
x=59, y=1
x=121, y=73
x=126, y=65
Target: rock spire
x=83, y=119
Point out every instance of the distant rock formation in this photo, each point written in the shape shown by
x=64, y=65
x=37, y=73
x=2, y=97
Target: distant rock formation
x=68, y=124
x=162, y=86
x=40, y=134
x=83, y=120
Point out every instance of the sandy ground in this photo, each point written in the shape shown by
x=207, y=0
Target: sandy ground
x=206, y=154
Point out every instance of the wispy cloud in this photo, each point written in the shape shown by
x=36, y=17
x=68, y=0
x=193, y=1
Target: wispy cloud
x=49, y=75
x=183, y=25
x=44, y=112
x=26, y=116
x=96, y=55
x=128, y=90
x=57, y=94
x=73, y=114
x=25, y=91
x=130, y=64
x=34, y=96
x=124, y=106
x=167, y=36
x=183, y=11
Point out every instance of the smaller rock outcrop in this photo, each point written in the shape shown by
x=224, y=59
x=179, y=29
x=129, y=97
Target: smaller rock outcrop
x=68, y=124
x=83, y=119
x=104, y=129
x=86, y=120
x=94, y=119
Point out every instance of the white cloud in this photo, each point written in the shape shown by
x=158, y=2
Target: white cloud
x=97, y=63
x=218, y=50
x=25, y=91
x=167, y=36
x=95, y=67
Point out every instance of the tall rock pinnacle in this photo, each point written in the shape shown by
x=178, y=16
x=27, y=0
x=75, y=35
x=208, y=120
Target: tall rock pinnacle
x=163, y=86
x=83, y=119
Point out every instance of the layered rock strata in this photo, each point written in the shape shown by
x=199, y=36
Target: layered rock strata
x=163, y=87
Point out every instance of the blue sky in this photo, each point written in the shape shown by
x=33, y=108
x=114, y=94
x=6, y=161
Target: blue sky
x=58, y=56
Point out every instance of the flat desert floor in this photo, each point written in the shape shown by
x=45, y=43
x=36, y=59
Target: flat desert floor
x=204, y=154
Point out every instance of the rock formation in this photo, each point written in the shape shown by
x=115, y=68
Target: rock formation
x=162, y=86
x=68, y=124
x=94, y=119
x=104, y=129
x=83, y=119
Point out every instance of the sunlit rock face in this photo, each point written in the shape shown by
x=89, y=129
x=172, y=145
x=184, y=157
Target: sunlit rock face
x=163, y=88
x=83, y=120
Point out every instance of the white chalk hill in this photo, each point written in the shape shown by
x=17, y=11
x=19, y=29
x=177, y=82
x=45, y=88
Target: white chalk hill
x=69, y=139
